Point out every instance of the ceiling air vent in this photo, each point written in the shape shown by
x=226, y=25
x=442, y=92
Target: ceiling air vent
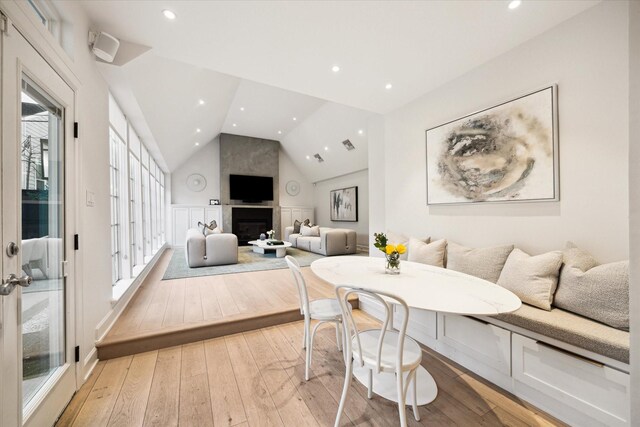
x=318, y=158
x=348, y=145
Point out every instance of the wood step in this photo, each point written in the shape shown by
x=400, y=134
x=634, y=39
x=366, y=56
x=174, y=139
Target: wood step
x=113, y=347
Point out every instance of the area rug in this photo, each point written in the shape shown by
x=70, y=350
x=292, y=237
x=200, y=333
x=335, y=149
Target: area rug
x=247, y=261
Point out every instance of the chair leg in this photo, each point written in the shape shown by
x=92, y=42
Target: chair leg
x=401, y=400
x=416, y=414
x=370, y=384
x=307, y=326
x=347, y=383
x=313, y=336
x=339, y=335
x=304, y=336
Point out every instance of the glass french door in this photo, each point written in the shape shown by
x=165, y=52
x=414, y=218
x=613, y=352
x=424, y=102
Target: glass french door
x=37, y=335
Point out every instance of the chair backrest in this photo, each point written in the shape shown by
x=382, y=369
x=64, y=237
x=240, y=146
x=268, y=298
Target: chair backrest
x=298, y=278
x=351, y=329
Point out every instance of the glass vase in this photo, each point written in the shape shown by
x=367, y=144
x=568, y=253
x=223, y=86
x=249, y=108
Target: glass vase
x=393, y=263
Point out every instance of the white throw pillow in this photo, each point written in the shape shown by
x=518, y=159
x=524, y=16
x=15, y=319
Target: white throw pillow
x=310, y=231
x=533, y=279
x=427, y=253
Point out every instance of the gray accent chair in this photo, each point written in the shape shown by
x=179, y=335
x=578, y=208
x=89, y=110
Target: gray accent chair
x=332, y=241
x=213, y=249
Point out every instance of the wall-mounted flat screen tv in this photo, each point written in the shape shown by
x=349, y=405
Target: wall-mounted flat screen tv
x=250, y=188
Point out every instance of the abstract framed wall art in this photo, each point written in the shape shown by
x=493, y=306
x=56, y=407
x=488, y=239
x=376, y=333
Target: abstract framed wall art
x=344, y=204
x=504, y=153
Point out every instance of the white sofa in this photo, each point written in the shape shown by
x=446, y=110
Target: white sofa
x=332, y=241
x=210, y=250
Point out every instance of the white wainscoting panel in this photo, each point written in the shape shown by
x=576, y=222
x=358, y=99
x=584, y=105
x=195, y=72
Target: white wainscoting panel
x=185, y=217
x=484, y=342
x=596, y=391
x=289, y=214
x=422, y=325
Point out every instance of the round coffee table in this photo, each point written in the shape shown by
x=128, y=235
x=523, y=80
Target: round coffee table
x=421, y=286
x=262, y=247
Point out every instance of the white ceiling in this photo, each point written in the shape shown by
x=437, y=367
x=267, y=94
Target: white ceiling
x=417, y=46
x=323, y=133
x=267, y=110
x=274, y=59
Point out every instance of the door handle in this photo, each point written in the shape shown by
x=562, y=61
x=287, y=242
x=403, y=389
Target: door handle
x=9, y=284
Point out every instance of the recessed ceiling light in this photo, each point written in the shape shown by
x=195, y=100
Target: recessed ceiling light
x=514, y=4
x=201, y=101
x=198, y=130
x=241, y=108
x=388, y=86
x=326, y=148
x=169, y=14
x=279, y=132
x=335, y=68
x=234, y=125
x=308, y=157
x=360, y=132
x=295, y=118
x=197, y=143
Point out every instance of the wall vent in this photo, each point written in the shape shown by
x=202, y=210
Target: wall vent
x=348, y=145
x=318, y=158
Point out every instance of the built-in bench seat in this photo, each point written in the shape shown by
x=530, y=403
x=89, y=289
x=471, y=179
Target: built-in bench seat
x=573, y=367
x=572, y=329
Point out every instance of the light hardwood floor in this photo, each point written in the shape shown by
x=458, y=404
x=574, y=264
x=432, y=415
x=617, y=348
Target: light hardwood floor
x=257, y=379
x=169, y=312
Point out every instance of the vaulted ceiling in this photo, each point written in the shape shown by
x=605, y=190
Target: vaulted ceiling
x=274, y=60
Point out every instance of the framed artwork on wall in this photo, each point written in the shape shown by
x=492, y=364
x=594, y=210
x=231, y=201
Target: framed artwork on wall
x=344, y=204
x=508, y=152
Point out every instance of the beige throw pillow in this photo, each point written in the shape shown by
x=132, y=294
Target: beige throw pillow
x=310, y=231
x=427, y=253
x=399, y=238
x=533, y=279
x=599, y=292
x=485, y=263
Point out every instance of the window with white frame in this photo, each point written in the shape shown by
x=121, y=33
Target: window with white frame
x=116, y=207
x=48, y=15
x=137, y=201
x=133, y=186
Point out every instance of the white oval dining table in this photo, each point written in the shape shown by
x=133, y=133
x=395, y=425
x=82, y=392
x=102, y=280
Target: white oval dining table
x=420, y=286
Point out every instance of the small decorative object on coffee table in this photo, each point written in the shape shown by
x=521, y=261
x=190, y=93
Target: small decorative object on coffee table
x=392, y=252
x=271, y=234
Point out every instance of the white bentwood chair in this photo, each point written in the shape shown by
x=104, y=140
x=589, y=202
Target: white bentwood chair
x=323, y=310
x=381, y=350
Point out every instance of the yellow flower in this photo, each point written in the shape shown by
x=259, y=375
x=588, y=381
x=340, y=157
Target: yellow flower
x=390, y=249
x=401, y=248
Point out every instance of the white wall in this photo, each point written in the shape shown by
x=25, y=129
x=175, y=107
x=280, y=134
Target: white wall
x=290, y=172
x=634, y=200
x=587, y=56
x=321, y=202
x=206, y=162
x=377, y=174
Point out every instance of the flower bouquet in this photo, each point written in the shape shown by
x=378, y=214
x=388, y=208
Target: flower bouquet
x=392, y=252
